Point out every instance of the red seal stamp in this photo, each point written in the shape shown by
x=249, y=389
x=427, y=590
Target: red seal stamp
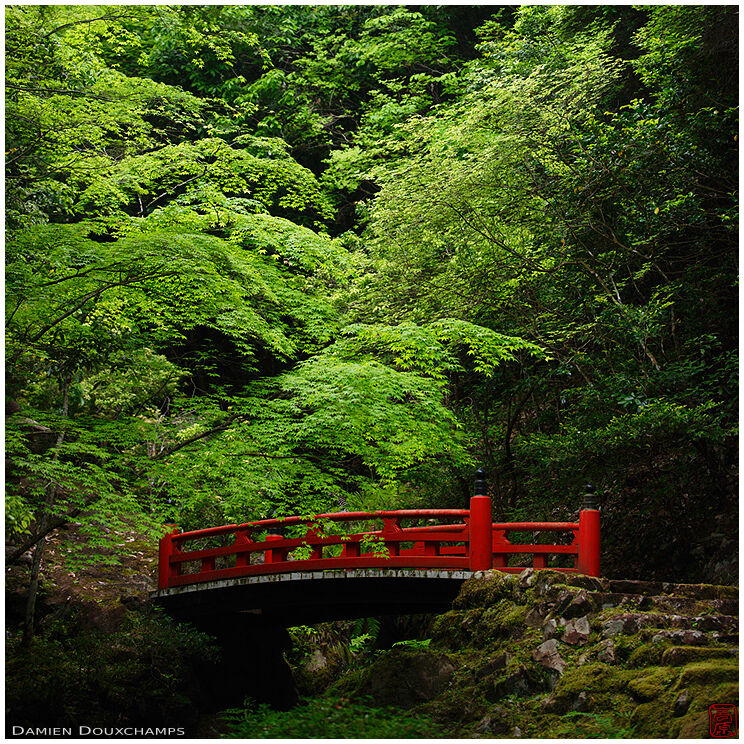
x=722, y=720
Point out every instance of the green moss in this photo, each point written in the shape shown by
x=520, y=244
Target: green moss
x=547, y=577
x=486, y=590
x=459, y=704
x=703, y=696
x=681, y=655
x=503, y=619
x=610, y=612
x=574, y=725
x=633, y=697
x=518, y=681
x=592, y=676
x=599, y=681
x=693, y=726
x=650, y=684
x=709, y=591
x=448, y=630
x=646, y=654
x=555, y=591
x=590, y=583
x=707, y=672
x=655, y=719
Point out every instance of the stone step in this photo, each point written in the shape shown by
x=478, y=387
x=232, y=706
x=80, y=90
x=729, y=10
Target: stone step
x=689, y=637
x=725, y=606
x=678, y=637
x=658, y=588
x=632, y=622
x=690, y=606
x=664, y=603
x=681, y=655
x=729, y=638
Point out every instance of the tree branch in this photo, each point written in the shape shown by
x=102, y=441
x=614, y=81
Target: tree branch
x=50, y=526
x=107, y=17
x=220, y=427
x=169, y=191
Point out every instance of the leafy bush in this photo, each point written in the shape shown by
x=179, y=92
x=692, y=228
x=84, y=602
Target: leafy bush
x=138, y=673
x=330, y=718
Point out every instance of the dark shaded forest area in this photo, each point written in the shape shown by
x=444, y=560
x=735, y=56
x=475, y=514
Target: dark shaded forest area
x=274, y=260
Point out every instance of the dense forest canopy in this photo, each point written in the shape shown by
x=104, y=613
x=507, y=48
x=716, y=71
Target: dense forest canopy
x=266, y=260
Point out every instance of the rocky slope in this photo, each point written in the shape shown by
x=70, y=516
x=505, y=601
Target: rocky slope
x=540, y=655
x=546, y=654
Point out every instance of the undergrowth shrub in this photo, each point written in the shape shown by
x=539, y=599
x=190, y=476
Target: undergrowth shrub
x=140, y=673
x=330, y=718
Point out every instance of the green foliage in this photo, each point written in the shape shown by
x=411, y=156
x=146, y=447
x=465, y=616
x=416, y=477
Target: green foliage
x=330, y=718
x=549, y=203
x=101, y=314
x=431, y=350
x=139, y=669
x=686, y=48
x=375, y=545
x=629, y=431
x=595, y=725
x=266, y=260
x=326, y=430
x=414, y=644
x=69, y=115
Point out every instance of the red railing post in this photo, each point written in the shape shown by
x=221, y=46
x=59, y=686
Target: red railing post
x=480, y=545
x=351, y=549
x=587, y=560
x=165, y=551
x=242, y=537
x=276, y=555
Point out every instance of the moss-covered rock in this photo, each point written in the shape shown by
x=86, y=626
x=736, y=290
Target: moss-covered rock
x=401, y=677
x=646, y=654
x=704, y=672
x=681, y=655
x=645, y=680
x=502, y=620
x=517, y=681
x=453, y=629
x=486, y=588
x=651, y=683
x=600, y=681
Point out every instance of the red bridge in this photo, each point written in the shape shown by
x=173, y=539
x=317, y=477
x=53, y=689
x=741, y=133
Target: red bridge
x=244, y=584
x=355, y=563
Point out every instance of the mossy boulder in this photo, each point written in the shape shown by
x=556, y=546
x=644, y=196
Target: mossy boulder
x=454, y=629
x=646, y=654
x=484, y=675
x=652, y=683
x=681, y=655
x=502, y=620
x=711, y=670
x=517, y=681
x=486, y=588
x=600, y=682
x=401, y=677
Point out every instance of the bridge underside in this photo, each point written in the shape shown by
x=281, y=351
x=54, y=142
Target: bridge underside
x=304, y=598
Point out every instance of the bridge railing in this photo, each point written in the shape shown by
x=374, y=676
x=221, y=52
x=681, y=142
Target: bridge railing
x=322, y=542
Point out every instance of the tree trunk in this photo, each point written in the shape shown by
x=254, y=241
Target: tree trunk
x=46, y=515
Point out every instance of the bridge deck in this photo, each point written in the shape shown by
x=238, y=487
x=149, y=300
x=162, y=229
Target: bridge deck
x=304, y=597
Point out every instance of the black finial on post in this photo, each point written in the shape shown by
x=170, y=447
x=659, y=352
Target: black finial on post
x=480, y=483
x=589, y=500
